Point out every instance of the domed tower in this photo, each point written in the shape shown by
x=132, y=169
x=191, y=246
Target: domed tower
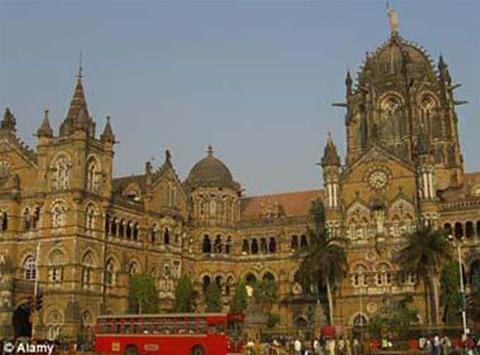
x=215, y=196
x=399, y=96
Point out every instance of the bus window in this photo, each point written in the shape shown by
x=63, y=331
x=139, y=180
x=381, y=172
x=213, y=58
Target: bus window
x=191, y=325
x=126, y=329
x=220, y=328
x=211, y=328
x=202, y=326
x=118, y=328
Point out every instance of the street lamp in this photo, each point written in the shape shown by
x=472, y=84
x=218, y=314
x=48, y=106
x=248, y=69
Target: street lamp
x=462, y=286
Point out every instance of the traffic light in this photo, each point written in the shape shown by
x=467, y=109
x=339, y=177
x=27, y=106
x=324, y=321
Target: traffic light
x=39, y=300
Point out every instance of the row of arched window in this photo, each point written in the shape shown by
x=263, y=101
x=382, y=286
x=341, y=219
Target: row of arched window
x=218, y=246
x=254, y=246
x=297, y=243
x=468, y=229
x=382, y=276
x=121, y=228
x=225, y=286
x=158, y=234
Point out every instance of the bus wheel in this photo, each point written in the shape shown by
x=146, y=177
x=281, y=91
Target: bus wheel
x=131, y=350
x=197, y=350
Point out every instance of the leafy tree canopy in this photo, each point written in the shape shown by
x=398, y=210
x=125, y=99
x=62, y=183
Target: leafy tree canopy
x=240, y=297
x=213, y=298
x=184, y=295
x=143, y=296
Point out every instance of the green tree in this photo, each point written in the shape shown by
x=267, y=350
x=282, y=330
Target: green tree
x=213, y=298
x=450, y=292
x=184, y=295
x=426, y=250
x=240, y=298
x=324, y=264
x=143, y=296
x=394, y=318
x=265, y=294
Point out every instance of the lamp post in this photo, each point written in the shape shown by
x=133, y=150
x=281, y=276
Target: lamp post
x=462, y=286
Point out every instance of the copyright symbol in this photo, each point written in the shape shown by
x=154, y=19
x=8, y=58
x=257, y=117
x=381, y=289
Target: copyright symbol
x=8, y=347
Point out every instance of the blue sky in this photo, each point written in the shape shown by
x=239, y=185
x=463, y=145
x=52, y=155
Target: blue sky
x=254, y=78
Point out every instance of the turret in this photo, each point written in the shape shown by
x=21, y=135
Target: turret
x=330, y=163
x=8, y=122
x=45, y=131
x=107, y=136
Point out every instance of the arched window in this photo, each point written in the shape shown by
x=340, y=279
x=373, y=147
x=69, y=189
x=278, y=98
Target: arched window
x=245, y=247
x=303, y=241
x=129, y=229
x=153, y=235
x=294, y=243
x=217, y=245
x=26, y=219
x=166, y=237
x=114, y=227
x=54, y=325
x=59, y=215
x=219, y=281
x=250, y=279
x=360, y=276
x=272, y=246
x=110, y=273
x=228, y=245
x=136, y=229
x=268, y=276
x=61, y=178
x=133, y=268
x=207, y=244
x=90, y=217
x=360, y=321
x=469, y=229
x=3, y=220
x=205, y=282
x=254, y=247
x=458, y=230
x=30, y=268
x=407, y=278
x=87, y=270
x=228, y=286
x=55, y=271
x=427, y=106
x=384, y=276
x=92, y=175
x=448, y=228
x=121, y=228
x=263, y=246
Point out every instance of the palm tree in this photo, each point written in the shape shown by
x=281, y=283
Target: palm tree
x=325, y=261
x=426, y=250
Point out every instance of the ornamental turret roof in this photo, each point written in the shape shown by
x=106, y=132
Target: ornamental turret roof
x=45, y=129
x=330, y=156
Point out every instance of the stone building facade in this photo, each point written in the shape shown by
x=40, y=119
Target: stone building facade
x=69, y=224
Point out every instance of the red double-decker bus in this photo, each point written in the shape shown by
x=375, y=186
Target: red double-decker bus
x=170, y=334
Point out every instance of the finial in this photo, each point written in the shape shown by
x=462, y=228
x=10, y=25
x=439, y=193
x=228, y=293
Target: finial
x=329, y=137
x=210, y=150
x=393, y=20
x=168, y=156
x=45, y=113
x=80, y=67
x=348, y=79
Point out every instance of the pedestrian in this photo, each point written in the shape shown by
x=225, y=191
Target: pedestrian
x=437, y=345
x=297, y=346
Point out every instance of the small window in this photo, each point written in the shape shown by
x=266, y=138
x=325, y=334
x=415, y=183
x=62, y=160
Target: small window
x=211, y=328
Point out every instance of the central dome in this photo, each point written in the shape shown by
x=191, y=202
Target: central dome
x=211, y=172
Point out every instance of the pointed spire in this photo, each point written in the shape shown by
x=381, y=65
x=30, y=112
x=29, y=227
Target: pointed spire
x=78, y=117
x=442, y=65
x=330, y=155
x=210, y=150
x=107, y=135
x=9, y=122
x=348, y=79
x=168, y=157
x=45, y=130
